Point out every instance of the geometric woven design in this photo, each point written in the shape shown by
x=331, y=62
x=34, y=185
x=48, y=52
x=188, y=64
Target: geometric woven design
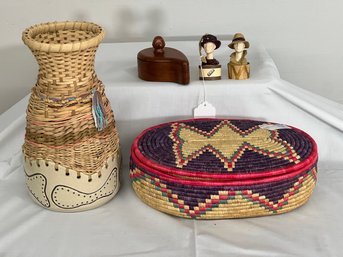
x=228, y=143
x=221, y=168
x=222, y=203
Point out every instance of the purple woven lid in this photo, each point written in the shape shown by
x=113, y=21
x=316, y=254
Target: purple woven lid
x=224, y=146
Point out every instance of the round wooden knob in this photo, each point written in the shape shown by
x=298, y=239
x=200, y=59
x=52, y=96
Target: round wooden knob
x=158, y=44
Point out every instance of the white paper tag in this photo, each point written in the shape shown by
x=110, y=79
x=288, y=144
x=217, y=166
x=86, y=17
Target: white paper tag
x=205, y=109
x=273, y=126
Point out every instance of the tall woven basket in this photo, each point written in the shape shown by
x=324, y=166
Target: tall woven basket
x=71, y=149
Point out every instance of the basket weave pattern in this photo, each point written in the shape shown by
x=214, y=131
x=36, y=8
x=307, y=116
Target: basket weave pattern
x=60, y=126
x=71, y=147
x=217, y=168
x=221, y=202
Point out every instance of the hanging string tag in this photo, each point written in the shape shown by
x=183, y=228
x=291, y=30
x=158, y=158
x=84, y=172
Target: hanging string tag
x=205, y=109
x=98, y=111
x=203, y=58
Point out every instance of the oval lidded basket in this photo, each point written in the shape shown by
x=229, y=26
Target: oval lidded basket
x=71, y=148
x=223, y=168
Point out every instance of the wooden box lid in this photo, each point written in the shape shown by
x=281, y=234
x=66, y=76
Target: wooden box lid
x=162, y=64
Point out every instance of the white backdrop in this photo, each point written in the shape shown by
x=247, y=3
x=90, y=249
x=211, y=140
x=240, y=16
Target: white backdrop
x=303, y=37
x=126, y=226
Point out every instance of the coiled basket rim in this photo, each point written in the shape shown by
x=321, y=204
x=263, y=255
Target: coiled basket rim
x=30, y=33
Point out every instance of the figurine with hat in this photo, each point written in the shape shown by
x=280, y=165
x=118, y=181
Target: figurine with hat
x=238, y=67
x=210, y=68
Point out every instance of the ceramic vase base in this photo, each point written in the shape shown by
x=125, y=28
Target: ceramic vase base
x=58, y=189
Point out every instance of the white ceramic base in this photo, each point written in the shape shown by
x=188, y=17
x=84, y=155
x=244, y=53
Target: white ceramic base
x=62, y=190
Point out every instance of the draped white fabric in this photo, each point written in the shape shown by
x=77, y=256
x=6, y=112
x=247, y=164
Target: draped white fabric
x=126, y=226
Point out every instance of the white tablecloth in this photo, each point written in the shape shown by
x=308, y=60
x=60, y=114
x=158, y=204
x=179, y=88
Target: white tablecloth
x=126, y=226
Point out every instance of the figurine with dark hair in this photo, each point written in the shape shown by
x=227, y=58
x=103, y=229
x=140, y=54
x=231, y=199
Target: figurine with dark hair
x=210, y=68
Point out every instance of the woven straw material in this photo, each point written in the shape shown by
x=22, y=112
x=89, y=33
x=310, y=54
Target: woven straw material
x=217, y=168
x=61, y=122
x=60, y=37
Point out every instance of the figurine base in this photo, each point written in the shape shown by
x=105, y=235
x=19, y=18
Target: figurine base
x=210, y=72
x=238, y=72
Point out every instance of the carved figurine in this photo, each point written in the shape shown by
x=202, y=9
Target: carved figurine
x=238, y=67
x=210, y=68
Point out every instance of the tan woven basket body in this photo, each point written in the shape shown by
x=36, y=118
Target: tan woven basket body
x=71, y=162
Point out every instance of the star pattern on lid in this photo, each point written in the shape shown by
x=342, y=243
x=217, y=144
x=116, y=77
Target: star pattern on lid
x=228, y=143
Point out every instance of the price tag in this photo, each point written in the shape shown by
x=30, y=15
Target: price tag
x=273, y=126
x=205, y=109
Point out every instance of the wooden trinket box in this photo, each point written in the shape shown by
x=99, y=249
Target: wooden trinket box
x=163, y=64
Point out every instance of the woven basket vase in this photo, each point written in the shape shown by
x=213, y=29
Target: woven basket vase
x=223, y=168
x=71, y=149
